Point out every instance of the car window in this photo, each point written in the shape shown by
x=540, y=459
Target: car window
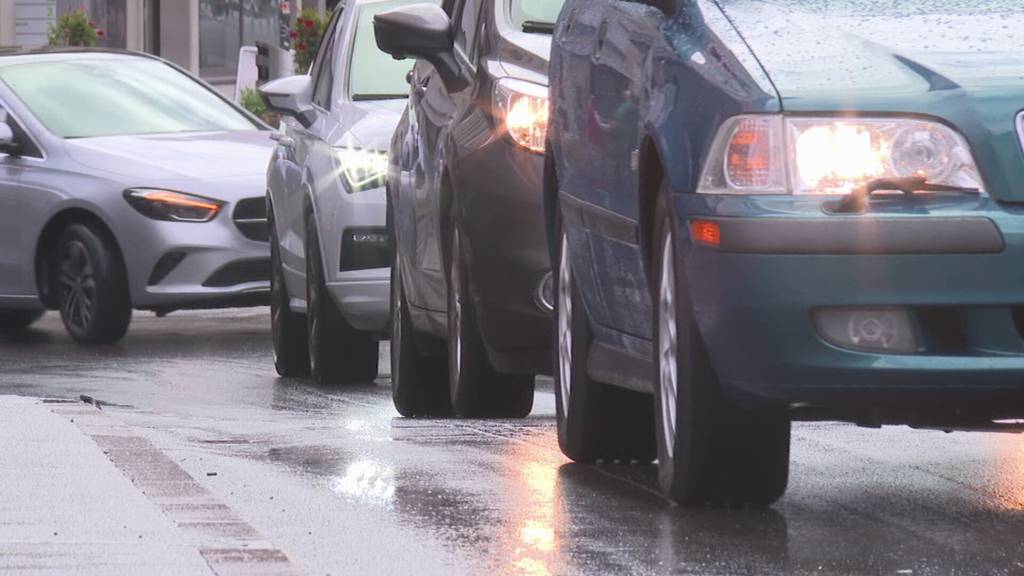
x=372, y=74
x=465, y=34
x=323, y=81
x=28, y=146
x=80, y=97
x=534, y=11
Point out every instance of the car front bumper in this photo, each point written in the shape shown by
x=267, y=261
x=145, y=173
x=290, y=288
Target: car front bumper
x=193, y=265
x=955, y=265
x=500, y=194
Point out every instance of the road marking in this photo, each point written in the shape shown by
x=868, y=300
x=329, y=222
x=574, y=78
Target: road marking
x=227, y=543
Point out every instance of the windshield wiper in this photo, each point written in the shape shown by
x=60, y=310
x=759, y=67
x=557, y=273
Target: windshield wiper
x=857, y=201
x=364, y=97
x=538, y=27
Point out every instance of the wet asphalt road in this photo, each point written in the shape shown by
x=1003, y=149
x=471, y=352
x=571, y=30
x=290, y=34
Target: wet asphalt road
x=343, y=485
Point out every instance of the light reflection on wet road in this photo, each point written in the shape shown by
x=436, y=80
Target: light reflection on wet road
x=343, y=485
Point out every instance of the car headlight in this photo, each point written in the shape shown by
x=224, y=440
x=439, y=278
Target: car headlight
x=172, y=206
x=772, y=154
x=362, y=168
x=523, y=108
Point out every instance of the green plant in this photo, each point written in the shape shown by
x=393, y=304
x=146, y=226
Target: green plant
x=253, y=102
x=74, y=28
x=306, y=35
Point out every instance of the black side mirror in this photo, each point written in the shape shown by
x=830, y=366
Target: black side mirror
x=421, y=31
x=8, y=142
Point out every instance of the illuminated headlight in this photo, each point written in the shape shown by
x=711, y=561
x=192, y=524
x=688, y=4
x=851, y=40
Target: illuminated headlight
x=771, y=154
x=362, y=168
x=172, y=206
x=523, y=106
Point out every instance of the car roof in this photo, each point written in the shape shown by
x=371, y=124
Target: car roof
x=47, y=54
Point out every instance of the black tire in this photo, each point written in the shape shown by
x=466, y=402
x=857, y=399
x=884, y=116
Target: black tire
x=338, y=353
x=477, y=389
x=18, y=320
x=291, y=354
x=596, y=421
x=717, y=452
x=91, y=285
x=418, y=382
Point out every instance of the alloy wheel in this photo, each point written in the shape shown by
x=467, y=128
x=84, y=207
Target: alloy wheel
x=668, y=344
x=455, y=282
x=565, y=325
x=77, y=285
x=313, y=305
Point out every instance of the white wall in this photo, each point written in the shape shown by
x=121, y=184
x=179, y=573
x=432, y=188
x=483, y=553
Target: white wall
x=6, y=22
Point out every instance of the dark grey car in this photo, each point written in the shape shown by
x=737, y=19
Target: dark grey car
x=471, y=272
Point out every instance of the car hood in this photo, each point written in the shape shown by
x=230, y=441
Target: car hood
x=864, y=50
x=959, y=61
x=525, y=55
x=370, y=123
x=204, y=156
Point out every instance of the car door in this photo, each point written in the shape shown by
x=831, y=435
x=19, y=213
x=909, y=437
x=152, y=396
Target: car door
x=435, y=108
x=618, y=65
x=301, y=157
x=19, y=177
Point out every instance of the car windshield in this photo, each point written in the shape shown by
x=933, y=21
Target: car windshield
x=372, y=74
x=82, y=97
x=534, y=12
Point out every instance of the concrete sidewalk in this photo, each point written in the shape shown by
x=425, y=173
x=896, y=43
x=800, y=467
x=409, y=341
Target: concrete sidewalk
x=80, y=493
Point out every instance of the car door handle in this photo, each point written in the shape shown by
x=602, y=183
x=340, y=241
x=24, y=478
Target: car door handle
x=602, y=32
x=286, y=141
x=421, y=88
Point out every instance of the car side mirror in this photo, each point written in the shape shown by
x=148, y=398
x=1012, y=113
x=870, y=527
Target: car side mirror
x=421, y=31
x=8, y=143
x=291, y=96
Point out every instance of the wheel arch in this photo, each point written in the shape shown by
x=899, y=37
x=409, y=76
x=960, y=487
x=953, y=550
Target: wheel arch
x=49, y=236
x=651, y=173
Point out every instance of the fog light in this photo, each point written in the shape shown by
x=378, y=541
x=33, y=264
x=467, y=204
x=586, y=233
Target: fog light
x=873, y=329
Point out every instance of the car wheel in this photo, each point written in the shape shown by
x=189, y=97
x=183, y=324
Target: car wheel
x=91, y=286
x=291, y=355
x=596, y=421
x=16, y=320
x=710, y=450
x=418, y=381
x=477, y=389
x=338, y=353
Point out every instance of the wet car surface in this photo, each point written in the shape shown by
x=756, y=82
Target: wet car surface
x=335, y=479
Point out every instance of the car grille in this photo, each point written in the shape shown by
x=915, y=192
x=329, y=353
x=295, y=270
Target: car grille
x=240, y=272
x=250, y=217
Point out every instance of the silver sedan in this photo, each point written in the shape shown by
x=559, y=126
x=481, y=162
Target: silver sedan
x=125, y=184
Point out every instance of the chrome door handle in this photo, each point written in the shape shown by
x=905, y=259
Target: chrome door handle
x=286, y=141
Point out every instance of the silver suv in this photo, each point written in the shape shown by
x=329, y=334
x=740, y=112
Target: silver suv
x=330, y=247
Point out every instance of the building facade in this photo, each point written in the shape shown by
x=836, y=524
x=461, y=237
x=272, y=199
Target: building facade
x=203, y=36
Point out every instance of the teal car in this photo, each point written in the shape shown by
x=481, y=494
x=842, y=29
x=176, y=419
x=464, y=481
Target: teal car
x=767, y=211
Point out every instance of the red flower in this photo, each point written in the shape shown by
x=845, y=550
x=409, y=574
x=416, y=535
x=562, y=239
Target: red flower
x=294, y=34
x=309, y=23
x=101, y=33
x=302, y=46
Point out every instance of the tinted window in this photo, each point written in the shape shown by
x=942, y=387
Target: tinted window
x=465, y=35
x=373, y=74
x=105, y=96
x=545, y=11
x=324, y=77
